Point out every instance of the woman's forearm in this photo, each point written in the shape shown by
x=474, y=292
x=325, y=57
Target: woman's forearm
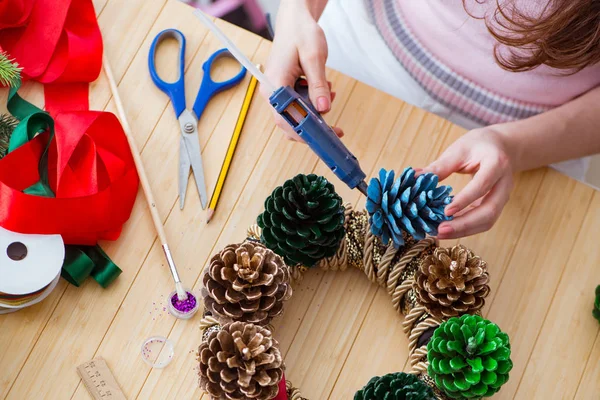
x=566, y=132
x=315, y=7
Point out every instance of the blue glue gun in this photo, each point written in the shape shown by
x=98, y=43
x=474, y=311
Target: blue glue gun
x=295, y=107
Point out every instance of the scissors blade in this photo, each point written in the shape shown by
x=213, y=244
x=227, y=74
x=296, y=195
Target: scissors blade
x=189, y=134
x=184, y=170
x=193, y=148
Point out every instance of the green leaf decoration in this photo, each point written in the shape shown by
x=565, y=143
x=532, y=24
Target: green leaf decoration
x=469, y=357
x=10, y=72
x=396, y=386
x=303, y=220
x=596, y=311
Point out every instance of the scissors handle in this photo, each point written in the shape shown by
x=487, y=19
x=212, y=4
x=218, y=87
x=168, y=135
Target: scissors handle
x=208, y=87
x=175, y=90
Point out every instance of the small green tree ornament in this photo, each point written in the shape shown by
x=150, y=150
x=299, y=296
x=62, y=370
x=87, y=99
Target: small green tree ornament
x=596, y=311
x=303, y=220
x=396, y=386
x=7, y=125
x=469, y=357
x=10, y=72
x=10, y=75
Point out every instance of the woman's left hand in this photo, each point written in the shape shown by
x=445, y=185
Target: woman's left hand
x=484, y=154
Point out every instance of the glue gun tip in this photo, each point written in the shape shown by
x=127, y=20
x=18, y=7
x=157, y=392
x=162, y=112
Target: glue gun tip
x=362, y=187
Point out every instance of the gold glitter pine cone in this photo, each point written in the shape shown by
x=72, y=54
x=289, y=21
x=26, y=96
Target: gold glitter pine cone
x=240, y=361
x=246, y=282
x=452, y=282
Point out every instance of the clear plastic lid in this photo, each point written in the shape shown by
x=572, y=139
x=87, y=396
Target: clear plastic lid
x=158, y=351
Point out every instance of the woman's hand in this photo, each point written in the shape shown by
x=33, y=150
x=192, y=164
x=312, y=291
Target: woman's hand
x=300, y=48
x=484, y=154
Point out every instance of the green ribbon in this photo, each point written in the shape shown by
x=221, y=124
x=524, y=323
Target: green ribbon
x=83, y=261
x=33, y=121
x=80, y=261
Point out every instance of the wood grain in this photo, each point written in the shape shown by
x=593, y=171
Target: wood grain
x=589, y=386
x=338, y=330
x=552, y=224
x=567, y=336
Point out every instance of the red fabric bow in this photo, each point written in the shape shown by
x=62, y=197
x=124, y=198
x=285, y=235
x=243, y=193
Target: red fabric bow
x=91, y=173
x=90, y=167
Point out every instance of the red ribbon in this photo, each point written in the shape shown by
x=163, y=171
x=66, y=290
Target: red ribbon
x=90, y=167
x=60, y=42
x=91, y=172
x=14, y=13
x=282, y=394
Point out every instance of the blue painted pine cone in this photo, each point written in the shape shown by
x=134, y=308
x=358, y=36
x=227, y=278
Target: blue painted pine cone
x=303, y=220
x=411, y=204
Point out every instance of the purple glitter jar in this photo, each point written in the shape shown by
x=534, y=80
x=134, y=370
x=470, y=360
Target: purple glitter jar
x=183, y=309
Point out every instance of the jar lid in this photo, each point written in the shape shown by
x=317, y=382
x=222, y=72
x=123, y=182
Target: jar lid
x=158, y=351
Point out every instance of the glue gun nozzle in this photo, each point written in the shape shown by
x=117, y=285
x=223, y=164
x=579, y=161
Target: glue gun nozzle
x=362, y=187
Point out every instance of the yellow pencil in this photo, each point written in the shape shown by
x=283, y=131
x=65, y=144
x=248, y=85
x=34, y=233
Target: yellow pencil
x=231, y=149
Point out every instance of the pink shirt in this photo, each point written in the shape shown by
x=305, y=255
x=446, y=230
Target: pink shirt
x=464, y=44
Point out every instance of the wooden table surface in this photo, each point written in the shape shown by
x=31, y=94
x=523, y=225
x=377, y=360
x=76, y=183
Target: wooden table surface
x=338, y=329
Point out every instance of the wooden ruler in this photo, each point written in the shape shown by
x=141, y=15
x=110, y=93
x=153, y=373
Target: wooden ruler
x=100, y=381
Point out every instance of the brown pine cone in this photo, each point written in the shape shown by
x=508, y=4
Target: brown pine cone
x=452, y=282
x=246, y=282
x=240, y=361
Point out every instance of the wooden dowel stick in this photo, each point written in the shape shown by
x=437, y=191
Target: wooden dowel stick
x=136, y=155
x=143, y=178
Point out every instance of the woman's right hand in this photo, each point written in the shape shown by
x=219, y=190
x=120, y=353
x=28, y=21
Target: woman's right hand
x=299, y=48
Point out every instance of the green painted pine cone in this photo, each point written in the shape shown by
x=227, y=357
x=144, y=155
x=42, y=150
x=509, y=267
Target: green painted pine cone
x=469, y=357
x=396, y=386
x=303, y=220
x=596, y=311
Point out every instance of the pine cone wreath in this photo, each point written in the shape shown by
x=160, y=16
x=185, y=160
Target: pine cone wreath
x=303, y=220
x=452, y=282
x=396, y=386
x=240, y=361
x=413, y=205
x=469, y=357
x=246, y=282
x=596, y=311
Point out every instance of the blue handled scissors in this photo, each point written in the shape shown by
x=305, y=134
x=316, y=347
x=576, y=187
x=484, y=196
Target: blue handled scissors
x=190, y=154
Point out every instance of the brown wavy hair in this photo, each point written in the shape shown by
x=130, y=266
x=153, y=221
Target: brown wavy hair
x=564, y=35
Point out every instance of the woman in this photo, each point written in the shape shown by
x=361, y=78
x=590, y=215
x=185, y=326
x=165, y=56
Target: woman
x=522, y=75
